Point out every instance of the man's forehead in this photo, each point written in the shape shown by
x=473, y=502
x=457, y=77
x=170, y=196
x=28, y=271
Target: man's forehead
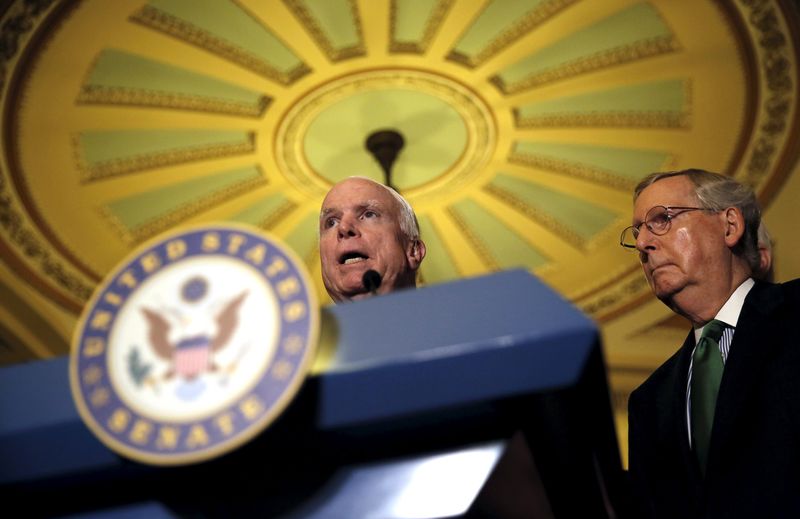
x=671, y=191
x=334, y=207
x=356, y=193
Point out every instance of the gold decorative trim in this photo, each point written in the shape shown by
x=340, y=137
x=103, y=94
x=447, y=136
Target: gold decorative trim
x=180, y=213
x=780, y=93
x=24, y=240
x=94, y=94
x=537, y=215
x=478, y=245
x=609, y=303
x=534, y=18
x=612, y=57
x=272, y=219
x=20, y=243
x=406, y=47
x=434, y=21
x=620, y=119
x=17, y=25
x=122, y=166
x=614, y=118
x=310, y=22
x=576, y=169
x=156, y=19
x=438, y=232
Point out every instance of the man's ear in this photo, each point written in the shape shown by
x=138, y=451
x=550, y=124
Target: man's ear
x=415, y=253
x=734, y=226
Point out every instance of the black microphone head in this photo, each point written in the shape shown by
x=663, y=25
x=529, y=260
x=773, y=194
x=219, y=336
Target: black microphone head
x=371, y=280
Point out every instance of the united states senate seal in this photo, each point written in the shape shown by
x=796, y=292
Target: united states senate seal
x=194, y=344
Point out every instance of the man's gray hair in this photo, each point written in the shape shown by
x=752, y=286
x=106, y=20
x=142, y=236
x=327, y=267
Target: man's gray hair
x=765, y=242
x=764, y=238
x=718, y=192
x=408, y=219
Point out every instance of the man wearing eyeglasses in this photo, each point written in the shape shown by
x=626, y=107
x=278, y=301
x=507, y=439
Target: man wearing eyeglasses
x=715, y=431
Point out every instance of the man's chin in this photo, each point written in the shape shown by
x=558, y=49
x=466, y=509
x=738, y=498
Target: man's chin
x=345, y=289
x=354, y=289
x=666, y=292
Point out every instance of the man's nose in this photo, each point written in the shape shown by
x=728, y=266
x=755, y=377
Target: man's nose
x=645, y=241
x=348, y=228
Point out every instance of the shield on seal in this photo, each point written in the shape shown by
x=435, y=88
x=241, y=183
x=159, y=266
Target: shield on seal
x=192, y=356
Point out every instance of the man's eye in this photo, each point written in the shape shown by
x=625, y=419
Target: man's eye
x=370, y=214
x=330, y=222
x=659, y=220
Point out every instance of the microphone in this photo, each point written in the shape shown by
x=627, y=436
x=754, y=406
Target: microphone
x=371, y=281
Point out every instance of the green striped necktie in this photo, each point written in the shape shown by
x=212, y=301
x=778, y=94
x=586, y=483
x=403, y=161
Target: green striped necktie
x=706, y=375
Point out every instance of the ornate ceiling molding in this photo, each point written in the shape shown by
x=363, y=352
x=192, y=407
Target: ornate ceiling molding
x=525, y=127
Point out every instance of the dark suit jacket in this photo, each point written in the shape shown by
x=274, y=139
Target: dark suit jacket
x=754, y=456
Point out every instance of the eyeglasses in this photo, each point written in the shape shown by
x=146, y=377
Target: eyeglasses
x=657, y=220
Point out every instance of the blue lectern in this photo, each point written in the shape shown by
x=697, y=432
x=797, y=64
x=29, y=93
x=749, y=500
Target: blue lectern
x=485, y=397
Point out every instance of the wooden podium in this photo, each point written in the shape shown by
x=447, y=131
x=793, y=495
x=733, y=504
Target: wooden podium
x=484, y=397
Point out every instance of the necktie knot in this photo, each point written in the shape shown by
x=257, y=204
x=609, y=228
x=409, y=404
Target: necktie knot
x=713, y=330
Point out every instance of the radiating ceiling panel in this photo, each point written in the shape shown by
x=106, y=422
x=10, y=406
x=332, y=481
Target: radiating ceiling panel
x=141, y=215
x=228, y=30
x=334, y=24
x=414, y=23
x=438, y=265
x=617, y=167
x=500, y=24
x=103, y=154
x=497, y=245
x=122, y=78
x=662, y=104
x=575, y=220
x=634, y=33
x=267, y=212
x=303, y=238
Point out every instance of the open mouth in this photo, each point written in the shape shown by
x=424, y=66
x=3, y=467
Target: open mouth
x=351, y=258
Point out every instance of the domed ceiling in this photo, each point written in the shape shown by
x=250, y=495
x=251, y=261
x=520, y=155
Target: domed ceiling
x=526, y=125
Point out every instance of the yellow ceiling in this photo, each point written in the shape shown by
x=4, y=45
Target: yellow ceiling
x=526, y=124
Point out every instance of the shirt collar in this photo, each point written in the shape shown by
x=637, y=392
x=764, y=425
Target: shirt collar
x=729, y=313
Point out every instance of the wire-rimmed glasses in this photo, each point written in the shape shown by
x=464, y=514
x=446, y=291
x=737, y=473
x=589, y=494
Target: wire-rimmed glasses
x=657, y=220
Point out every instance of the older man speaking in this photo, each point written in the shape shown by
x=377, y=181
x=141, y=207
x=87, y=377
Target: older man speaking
x=368, y=240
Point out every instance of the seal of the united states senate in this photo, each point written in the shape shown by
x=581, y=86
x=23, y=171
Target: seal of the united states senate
x=194, y=344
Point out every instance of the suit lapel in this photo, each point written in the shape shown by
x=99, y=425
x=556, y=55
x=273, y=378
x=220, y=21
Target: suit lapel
x=744, y=367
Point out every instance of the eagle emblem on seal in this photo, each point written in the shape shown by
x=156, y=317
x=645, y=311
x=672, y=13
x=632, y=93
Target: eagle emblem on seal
x=188, y=337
